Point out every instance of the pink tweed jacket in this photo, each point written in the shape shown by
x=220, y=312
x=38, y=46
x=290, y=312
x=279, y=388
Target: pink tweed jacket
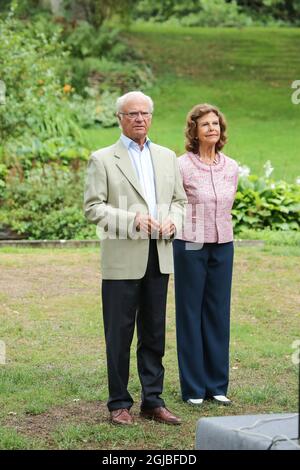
x=210, y=190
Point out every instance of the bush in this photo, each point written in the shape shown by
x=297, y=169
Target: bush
x=3, y=173
x=42, y=116
x=46, y=205
x=109, y=76
x=86, y=41
x=95, y=109
x=263, y=203
x=37, y=108
x=217, y=13
x=193, y=12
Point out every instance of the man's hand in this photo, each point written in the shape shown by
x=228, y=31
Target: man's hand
x=146, y=223
x=167, y=229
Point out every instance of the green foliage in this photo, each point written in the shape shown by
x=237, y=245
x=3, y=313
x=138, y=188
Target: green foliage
x=106, y=75
x=3, y=173
x=271, y=11
x=219, y=12
x=95, y=109
x=42, y=110
x=36, y=117
x=22, y=7
x=101, y=60
x=93, y=11
x=262, y=203
x=27, y=152
x=193, y=12
x=85, y=41
x=96, y=12
x=42, y=116
x=46, y=205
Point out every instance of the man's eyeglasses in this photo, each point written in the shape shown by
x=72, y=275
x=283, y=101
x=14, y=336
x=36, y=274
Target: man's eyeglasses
x=135, y=114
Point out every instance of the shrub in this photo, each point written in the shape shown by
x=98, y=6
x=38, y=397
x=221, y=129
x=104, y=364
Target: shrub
x=106, y=75
x=41, y=117
x=217, y=13
x=3, y=173
x=193, y=12
x=46, y=205
x=263, y=203
x=37, y=107
x=84, y=40
x=95, y=109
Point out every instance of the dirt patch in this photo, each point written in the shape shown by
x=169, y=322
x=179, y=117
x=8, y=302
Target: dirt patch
x=43, y=425
x=49, y=276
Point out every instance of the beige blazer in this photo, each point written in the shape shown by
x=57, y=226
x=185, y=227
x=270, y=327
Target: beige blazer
x=112, y=197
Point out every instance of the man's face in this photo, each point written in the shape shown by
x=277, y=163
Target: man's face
x=135, y=127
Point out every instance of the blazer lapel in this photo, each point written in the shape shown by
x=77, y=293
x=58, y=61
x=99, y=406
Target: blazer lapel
x=124, y=164
x=158, y=170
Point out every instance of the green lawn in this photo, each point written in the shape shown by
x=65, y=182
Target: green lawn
x=246, y=72
x=53, y=387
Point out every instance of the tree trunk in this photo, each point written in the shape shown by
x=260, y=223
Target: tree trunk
x=55, y=6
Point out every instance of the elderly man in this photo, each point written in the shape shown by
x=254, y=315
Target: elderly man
x=135, y=195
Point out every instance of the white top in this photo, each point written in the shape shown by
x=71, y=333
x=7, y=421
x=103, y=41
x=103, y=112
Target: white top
x=142, y=163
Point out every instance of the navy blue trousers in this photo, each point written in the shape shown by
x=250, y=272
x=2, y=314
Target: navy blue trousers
x=202, y=293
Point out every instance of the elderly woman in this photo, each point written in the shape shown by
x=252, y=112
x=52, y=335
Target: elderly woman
x=203, y=257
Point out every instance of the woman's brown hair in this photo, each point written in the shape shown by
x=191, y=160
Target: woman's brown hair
x=191, y=139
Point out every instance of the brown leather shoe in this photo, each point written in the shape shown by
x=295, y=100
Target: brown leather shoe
x=161, y=414
x=121, y=416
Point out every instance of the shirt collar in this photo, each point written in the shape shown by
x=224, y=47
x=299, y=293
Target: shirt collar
x=129, y=142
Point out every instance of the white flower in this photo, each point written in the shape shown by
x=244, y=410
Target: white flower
x=298, y=180
x=268, y=169
x=244, y=171
x=272, y=186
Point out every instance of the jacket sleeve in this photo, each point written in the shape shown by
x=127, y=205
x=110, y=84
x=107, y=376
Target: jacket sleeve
x=179, y=201
x=117, y=223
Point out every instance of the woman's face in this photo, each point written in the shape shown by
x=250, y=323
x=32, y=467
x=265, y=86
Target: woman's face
x=208, y=129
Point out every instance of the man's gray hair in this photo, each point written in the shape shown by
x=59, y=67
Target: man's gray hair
x=132, y=94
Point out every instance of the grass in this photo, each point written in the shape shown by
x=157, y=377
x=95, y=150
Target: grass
x=53, y=388
x=287, y=238
x=11, y=440
x=246, y=72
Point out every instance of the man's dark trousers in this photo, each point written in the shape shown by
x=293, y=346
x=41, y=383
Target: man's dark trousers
x=142, y=301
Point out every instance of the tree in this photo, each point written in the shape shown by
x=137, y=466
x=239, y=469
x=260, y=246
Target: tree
x=285, y=10
x=93, y=11
x=97, y=11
